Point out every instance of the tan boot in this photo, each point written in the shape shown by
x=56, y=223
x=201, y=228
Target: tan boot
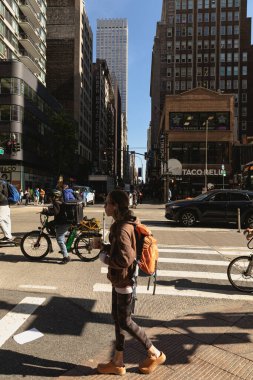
x=111, y=368
x=150, y=364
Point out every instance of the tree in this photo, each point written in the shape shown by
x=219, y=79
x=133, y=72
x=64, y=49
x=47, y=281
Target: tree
x=64, y=144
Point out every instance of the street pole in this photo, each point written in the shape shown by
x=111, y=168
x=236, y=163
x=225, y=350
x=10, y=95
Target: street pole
x=206, y=156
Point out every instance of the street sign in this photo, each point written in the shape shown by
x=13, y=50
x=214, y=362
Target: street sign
x=1, y=150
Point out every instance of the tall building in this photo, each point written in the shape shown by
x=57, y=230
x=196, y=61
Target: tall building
x=112, y=45
x=23, y=34
x=204, y=43
x=69, y=69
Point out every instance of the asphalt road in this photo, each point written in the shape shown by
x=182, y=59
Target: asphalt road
x=70, y=304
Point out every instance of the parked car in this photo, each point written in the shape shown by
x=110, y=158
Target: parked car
x=87, y=193
x=213, y=206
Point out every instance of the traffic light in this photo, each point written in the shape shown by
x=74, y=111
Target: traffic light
x=8, y=147
x=15, y=146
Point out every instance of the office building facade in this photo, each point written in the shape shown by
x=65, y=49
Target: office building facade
x=69, y=69
x=112, y=45
x=23, y=34
x=203, y=43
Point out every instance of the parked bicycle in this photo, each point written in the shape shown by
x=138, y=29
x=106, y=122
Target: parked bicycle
x=240, y=271
x=35, y=245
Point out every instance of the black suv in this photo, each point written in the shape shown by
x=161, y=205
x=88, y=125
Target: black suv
x=213, y=206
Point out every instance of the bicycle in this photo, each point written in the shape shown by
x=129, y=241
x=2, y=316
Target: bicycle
x=35, y=245
x=240, y=271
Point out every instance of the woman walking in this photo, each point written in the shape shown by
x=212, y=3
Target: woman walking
x=120, y=257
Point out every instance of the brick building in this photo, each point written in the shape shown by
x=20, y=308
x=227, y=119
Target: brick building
x=197, y=134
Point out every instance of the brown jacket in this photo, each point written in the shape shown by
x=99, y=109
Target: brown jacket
x=122, y=254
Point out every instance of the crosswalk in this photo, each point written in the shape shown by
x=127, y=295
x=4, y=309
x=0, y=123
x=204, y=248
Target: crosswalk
x=189, y=271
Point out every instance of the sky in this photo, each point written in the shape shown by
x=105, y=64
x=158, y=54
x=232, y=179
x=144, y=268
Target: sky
x=142, y=17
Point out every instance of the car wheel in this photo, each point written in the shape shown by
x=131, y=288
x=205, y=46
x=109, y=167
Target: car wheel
x=249, y=221
x=187, y=219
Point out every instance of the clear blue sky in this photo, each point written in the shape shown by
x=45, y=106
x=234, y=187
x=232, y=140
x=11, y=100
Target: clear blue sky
x=142, y=17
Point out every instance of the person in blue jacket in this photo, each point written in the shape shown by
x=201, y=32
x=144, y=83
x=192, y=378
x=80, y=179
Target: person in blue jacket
x=68, y=194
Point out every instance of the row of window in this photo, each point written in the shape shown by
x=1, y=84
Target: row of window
x=16, y=86
x=11, y=113
x=225, y=30
x=183, y=18
x=211, y=84
x=194, y=153
x=184, y=4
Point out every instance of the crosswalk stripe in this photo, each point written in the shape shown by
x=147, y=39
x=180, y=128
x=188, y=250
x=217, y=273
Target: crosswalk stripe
x=184, y=274
x=15, y=318
x=203, y=251
x=178, y=292
x=171, y=260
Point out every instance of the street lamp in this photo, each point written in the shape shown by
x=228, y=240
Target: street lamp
x=207, y=125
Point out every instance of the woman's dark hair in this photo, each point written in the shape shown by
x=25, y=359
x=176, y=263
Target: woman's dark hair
x=120, y=198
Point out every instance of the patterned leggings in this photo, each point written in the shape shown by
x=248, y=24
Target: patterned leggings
x=121, y=312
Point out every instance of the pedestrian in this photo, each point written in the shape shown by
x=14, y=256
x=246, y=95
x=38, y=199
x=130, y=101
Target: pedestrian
x=42, y=196
x=27, y=196
x=120, y=257
x=169, y=194
x=21, y=195
x=36, y=196
x=60, y=221
x=68, y=194
x=5, y=214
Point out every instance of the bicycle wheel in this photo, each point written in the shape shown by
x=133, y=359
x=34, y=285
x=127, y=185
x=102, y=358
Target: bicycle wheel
x=237, y=276
x=35, y=245
x=83, y=248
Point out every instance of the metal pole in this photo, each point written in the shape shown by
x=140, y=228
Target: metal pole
x=103, y=226
x=206, y=156
x=239, y=219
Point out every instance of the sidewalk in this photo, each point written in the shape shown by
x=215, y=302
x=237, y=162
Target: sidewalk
x=211, y=344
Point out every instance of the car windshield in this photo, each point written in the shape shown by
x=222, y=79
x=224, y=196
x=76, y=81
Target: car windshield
x=200, y=197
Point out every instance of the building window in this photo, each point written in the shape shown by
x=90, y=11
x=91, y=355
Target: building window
x=183, y=71
x=190, y=4
x=222, y=44
x=236, y=44
x=182, y=86
x=244, y=56
x=222, y=84
x=229, y=84
x=244, y=70
x=244, y=111
x=177, y=58
x=199, y=30
x=200, y=17
x=177, y=72
x=236, y=29
x=200, y=4
x=244, y=125
x=223, y=4
x=189, y=71
x=189, y=45
x=189, y=31
x=200, y=45
x=199, y=58
x=183, y=58
x=199, y=71
x=169, y=32
x=235, y=84
x=169, y=58
x=244, y=84
x=222, y=71
x=169, y=70
x=189, y=58
x=222, y=57
x=229, y=71
x=229, y=57
x=229, y=44
x=222, y=30
x=177, y=45
x=244, y=97
x=236, y=57
x=183, y=45
x=189, y=85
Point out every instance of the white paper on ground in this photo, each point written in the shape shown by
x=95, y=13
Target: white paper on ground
x=27, y=336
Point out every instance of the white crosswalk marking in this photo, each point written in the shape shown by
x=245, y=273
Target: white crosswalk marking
x=15, y=318
x=195, y=267
x=179, y=291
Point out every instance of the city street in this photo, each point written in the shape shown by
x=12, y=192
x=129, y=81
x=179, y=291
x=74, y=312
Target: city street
x=70, y=304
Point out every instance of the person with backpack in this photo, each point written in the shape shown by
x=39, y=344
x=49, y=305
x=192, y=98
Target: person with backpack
x=68, y=194
x=61, y=222
x=5, y=214
x=120, y=256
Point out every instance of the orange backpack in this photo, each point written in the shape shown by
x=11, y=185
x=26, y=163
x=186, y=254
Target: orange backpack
x=147, y=250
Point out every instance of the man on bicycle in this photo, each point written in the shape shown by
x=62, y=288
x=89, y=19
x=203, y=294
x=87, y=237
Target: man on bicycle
x=61, y=223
